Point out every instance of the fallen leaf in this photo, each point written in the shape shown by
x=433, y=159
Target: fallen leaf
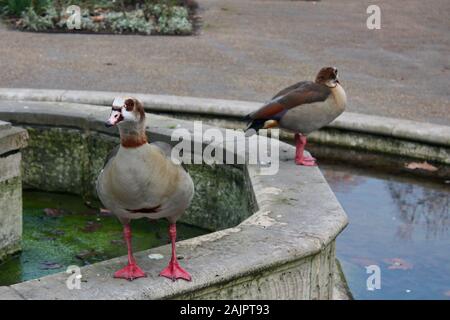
x=47, y=265
x=99, y=18
x=91, y=226
x=398, y=264
x=118, y=242
x=83, y=255
x=421, y=165
x=56, y=212
x=52, y=212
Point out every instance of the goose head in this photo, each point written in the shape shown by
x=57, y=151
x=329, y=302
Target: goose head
x=328, y=76
x=126, y=112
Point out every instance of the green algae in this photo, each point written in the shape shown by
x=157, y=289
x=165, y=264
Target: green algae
x=78, y=236
x=69, y=160
x=221, y=199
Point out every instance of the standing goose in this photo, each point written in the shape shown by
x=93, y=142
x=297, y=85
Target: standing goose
x=303, y=108
x=139, y=180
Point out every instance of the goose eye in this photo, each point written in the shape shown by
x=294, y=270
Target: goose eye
x=129, y=104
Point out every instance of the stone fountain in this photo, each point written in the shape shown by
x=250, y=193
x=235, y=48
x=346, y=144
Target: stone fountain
x=273, y=237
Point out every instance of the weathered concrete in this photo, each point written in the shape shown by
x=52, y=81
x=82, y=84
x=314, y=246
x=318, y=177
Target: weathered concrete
x=11, y=141
x=341, y=291
x=8, y=293
x=284, y=250
x=413, y=139
x=377, y=125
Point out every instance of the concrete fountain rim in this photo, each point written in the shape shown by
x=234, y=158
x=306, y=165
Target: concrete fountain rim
x=422, y=132
x=277, y=236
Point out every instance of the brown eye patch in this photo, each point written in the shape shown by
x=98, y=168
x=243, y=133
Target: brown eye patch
x=129, y=104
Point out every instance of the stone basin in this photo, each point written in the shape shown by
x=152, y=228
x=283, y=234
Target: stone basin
x=274, y=241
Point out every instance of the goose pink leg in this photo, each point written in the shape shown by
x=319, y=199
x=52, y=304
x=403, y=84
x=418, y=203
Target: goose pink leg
x=174, y=271
x=300, y=159
x=132, y=270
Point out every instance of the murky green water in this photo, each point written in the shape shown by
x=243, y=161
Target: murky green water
x=402, y=225
x=77, y=235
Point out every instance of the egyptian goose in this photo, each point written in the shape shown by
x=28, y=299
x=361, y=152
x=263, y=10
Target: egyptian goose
x=139, y=180
x=303, y=108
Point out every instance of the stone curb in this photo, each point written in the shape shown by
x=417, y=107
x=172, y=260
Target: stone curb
x=289, y=249
x=414, y=131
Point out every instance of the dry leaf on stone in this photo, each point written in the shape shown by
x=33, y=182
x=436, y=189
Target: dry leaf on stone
x=421, y=165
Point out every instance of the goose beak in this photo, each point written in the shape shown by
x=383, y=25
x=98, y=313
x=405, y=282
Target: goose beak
x=114, y=118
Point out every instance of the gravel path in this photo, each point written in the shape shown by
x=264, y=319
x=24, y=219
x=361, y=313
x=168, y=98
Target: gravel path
x=249, y=49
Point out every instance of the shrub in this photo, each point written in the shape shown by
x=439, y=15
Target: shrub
x=132, y=21
x=141, y=16
x=15, y=8
x=170, y=20
x=33, y=21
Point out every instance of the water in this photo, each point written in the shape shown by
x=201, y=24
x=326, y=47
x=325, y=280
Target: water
x=77, y=236
x=401, y=224
x=398, y=223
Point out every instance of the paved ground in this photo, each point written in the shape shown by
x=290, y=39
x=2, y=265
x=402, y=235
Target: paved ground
x=248, y=49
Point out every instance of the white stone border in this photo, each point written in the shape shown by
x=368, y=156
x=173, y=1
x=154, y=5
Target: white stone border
x=414, y=131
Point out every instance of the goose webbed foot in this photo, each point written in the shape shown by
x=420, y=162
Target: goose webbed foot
x=174, y=271
x=130, y=272
x=306, y=161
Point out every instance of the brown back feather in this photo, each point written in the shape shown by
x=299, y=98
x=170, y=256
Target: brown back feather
x=302, y=93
